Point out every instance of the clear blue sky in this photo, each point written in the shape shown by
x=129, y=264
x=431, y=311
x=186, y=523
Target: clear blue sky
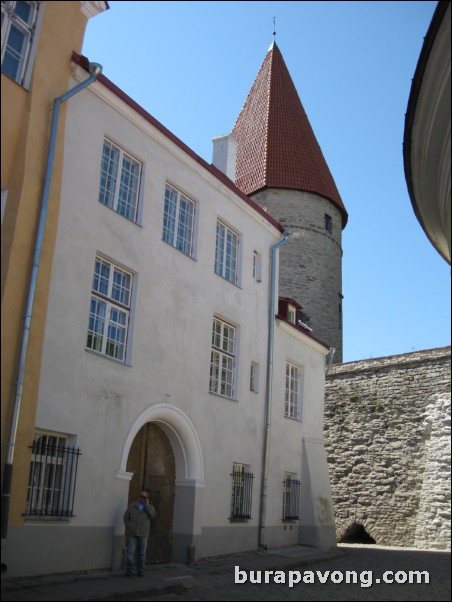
x=191, y=65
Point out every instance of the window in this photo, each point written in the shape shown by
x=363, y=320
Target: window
x=254, y=377
x=110, y=309
x=293, y=391
x=119, y=181
x=18, y=25
x=222, y=359
x=292, y=314
x=257, y=266
x=242, y=491
x=53, y=474
x=178, y=220
x=291, y=497
x=328, y=223
x=226, y=253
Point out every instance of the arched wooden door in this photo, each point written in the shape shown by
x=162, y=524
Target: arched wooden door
x=151, y=460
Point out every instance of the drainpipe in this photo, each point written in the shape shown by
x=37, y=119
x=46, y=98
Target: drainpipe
x=269, y=386
x=95, y=69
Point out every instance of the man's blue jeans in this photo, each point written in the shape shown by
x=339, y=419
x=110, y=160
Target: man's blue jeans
x=136, y=546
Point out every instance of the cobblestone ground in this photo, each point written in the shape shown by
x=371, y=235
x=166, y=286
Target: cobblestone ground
x=221, y=586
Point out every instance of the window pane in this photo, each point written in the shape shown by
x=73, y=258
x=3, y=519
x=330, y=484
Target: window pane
x=169, y=216
x=25, y=11
x=128, y=189
x=96, y=324
x=109, y=174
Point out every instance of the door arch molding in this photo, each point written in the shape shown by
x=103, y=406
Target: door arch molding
x=181, y=434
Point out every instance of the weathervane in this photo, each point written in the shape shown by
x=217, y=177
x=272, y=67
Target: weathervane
x=274, y=29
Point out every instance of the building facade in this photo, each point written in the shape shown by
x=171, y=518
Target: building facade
x=37, y=40
x=164, y=365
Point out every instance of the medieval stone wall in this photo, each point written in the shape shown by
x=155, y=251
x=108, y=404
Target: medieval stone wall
x=387, y=435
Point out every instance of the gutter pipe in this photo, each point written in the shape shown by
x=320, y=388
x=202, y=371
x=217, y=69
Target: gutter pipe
x=95, y=70
x=269, y=387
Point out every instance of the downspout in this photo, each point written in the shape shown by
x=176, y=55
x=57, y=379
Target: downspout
x=95, y=69
x=269, y=386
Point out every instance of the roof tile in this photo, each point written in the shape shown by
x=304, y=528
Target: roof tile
x=276, y=146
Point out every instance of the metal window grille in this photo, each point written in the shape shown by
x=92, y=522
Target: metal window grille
x=291, y=498
x=242, y=493
x=53, y=475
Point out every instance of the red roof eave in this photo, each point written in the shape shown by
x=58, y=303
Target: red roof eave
x=83, y=62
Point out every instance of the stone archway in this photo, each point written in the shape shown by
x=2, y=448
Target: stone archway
x=189, y=473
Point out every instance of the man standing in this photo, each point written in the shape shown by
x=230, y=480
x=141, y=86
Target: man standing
x=137, y=520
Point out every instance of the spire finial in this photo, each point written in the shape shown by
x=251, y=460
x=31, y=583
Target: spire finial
x=274, y=29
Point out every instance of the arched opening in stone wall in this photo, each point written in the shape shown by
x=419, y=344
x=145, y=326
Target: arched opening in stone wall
x=356, y=533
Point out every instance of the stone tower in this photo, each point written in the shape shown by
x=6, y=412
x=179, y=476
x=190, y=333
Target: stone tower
x=281, y=166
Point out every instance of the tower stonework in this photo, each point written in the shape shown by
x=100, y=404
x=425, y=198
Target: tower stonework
x=310, y=270
x=281, y=166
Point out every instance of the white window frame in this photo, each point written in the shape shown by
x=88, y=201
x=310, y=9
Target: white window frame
x=254, y=377
x=227, y=253
x=119, y=187
x=294, y=391
x=223, y=359
x=111, y=296
x=257, y=266
x=28, y=29
x=292, y=314
x=179, y=214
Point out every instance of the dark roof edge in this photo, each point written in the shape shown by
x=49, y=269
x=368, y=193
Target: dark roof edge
x=83, y=62
x=416, y=86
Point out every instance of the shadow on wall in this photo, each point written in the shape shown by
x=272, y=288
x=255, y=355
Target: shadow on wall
x=356, y=533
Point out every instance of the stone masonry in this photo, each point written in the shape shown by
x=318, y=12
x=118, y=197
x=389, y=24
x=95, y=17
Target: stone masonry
x=387, y=435
x=310, y=265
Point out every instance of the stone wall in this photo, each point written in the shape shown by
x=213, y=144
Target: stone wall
x=387, y=435
x=310, y=264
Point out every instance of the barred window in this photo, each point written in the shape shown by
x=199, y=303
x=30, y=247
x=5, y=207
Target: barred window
x=291, y=497
x=53, y=474
x=242, y=491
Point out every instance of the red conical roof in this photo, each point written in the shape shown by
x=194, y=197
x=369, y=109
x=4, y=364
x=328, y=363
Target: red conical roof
x=276, y=147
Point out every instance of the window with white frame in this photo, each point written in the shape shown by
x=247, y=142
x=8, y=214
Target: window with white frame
x=291, y=497
x=293, y=397
x=254, y=377
x=222, y=358
x=18, y=28
x=242, y=491
x=52, y=478
x=178, y=220
x=119, y=181
x=292, y=314
x=257, y=266
x=110, y=310
x=226, y=253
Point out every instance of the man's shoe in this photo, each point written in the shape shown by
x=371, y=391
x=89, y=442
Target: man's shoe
x=140, y=574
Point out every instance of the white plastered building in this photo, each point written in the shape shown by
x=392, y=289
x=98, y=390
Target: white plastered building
x=155, y=369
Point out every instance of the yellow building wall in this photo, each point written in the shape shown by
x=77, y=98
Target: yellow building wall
x=25, y=129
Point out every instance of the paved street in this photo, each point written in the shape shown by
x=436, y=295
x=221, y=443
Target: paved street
x=221, y=586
